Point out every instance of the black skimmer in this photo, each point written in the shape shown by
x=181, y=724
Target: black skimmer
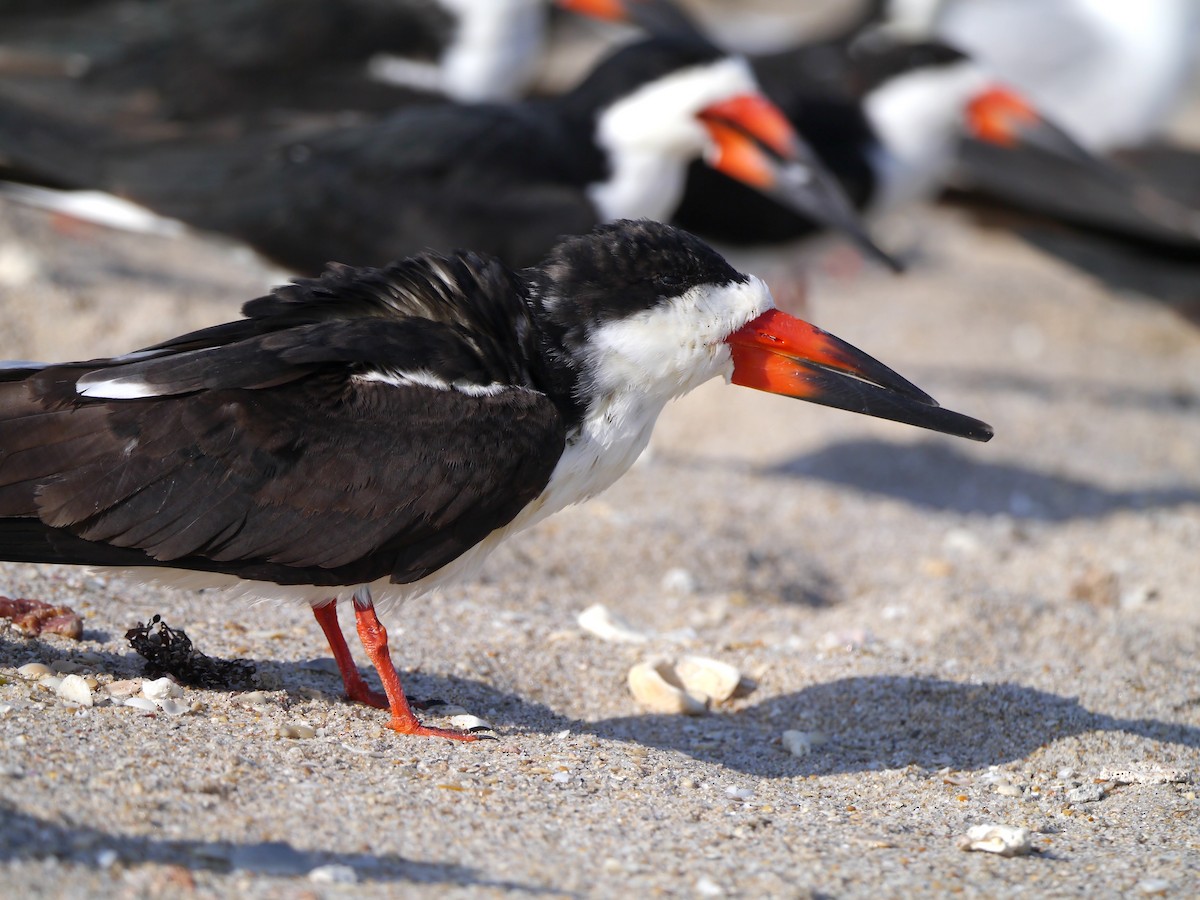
x=372, y=433
x=1108, y=72
x=883, y=115
x=887, y=115
x=240, y=63
x=504, y=179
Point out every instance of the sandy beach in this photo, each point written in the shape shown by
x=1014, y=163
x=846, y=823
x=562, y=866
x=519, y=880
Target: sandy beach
x=961, y=634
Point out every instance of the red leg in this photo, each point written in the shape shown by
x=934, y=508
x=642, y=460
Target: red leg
x=356, y=687
x=374, y=639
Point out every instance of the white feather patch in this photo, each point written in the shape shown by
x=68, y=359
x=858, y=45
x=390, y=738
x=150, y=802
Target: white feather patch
x=96, y=207
x=651, y=135
x=115, y=388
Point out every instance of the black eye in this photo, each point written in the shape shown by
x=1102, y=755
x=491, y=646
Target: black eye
x=669, y=280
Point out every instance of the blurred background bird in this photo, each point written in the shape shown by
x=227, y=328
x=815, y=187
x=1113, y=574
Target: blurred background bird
x=507, y=179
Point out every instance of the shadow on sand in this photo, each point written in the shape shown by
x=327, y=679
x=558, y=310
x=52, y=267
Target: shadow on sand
x=937, y=476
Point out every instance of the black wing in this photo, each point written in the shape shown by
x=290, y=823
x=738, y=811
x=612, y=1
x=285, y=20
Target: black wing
x=286, y=456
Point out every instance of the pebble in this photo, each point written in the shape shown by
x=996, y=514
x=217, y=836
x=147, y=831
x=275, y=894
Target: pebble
x=602, y=622
x=297, y=732
x=1086, y=793
x=1153, y=887
x=34, y=670
x=1008, y=789
x=959, y=540
x=74, y=689
x=706, y=887
x=161, y=689
x=333, y=874
x=801, y=743
x=142, y=703
x=739, y=793
x=254, y=698
x=1003, y=840
x=655, y=685
x=678, y=581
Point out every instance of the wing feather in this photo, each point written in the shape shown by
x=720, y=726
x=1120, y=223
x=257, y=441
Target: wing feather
x=259, y=448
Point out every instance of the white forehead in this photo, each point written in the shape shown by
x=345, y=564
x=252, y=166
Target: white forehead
x=677, y=345
x=675, y=98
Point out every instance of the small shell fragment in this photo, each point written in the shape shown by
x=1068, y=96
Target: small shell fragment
x=1087, y=793
x=1004, y=840
x=173, y=707
x=470, y=723
x=602, y=622
x=655, y=685
x=445, y=709
x=161, y=689
x=706, y=677
x=74, y=689
x=801, y=743
x=33, y=670
x=143, y=704
x=297, y=732
x=127, y=687
x=333, y=874
x=254, y=698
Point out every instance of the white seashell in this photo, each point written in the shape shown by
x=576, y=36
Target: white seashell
x=161, y=689
x=1005, y=840
x=142, y=703
x=706, y=677
x=173, y=707
x=119, y=690
x=34, y=670
x=50, y=682
x=655, y=685
x=599, y=620
x=74, y=689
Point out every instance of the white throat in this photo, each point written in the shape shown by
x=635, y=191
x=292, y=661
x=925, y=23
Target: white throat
x=651, y=135
x=918, y=117
x=636, y=366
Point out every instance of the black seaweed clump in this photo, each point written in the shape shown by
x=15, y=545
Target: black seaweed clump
x=169, y=651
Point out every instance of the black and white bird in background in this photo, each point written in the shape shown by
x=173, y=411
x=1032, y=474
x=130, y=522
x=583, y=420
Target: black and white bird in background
x=371, y=434
x=505, y=179
x=899, y=114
